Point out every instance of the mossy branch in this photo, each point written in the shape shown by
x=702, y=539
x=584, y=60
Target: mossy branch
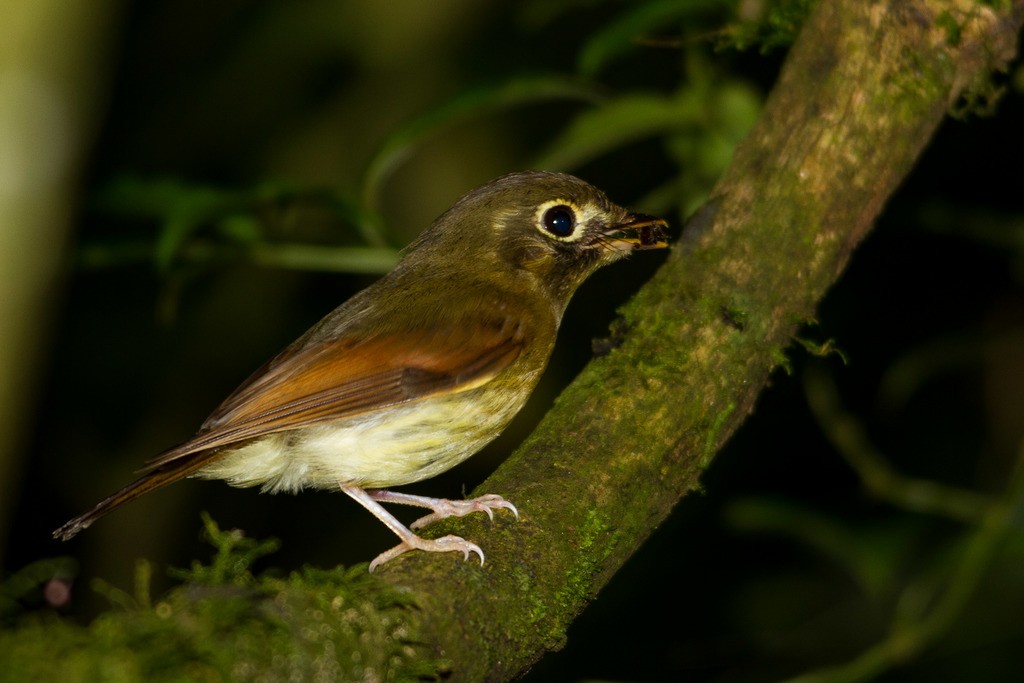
x=862, y=91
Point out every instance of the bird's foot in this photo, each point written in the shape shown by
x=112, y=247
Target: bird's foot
x=441, y=545
x=443, y=508
x=440, y=507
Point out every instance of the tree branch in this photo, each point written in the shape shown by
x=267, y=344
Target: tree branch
x=861, y=93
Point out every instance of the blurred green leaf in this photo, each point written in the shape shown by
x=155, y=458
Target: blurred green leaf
x=174, y=231
x=182, y=209
x=240, y=228
x=622, y=35
x=236, y=220
x=872, y=556
x=703, y=125
x=470, y=103
x=614, y=124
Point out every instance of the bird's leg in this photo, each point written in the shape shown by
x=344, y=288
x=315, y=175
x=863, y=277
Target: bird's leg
x=443, y=508
x=410, y=541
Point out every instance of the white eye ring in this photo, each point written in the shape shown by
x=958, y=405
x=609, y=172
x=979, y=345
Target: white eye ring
x=559, y=219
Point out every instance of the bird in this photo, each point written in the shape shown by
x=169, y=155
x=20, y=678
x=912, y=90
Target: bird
x=421, y=369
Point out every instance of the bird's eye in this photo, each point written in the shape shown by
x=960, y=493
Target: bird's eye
x=560, y=220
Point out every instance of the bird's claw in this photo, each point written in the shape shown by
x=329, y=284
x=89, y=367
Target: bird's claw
x=443, y=509
x=441, y=545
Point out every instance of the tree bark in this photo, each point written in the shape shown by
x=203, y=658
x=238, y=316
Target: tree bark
x=861, y=93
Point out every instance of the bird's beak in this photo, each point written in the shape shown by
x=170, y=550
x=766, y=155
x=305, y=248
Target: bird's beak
x=639, y=231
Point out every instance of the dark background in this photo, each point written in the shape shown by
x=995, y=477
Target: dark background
x=782, y=563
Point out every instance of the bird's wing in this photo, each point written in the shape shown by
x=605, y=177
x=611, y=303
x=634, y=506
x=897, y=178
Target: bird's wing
x=345, y=377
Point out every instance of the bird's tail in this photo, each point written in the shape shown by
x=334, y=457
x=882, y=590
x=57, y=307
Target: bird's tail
x=151, y=481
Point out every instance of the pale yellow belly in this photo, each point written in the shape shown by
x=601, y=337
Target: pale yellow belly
x=395, y=446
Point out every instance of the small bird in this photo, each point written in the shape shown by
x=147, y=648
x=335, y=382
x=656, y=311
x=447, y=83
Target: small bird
x=420, y=370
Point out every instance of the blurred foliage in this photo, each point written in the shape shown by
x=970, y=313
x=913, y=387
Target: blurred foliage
x=866, y=518
x=231, y=624
x=237, y=222
x=235, y=555
x=698, y=119
x=466, y=105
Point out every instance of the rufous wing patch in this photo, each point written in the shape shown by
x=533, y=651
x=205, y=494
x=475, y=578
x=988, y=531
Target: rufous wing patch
x=346, y=377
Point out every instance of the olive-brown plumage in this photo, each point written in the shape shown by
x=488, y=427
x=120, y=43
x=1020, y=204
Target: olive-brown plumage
x=420, y=370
